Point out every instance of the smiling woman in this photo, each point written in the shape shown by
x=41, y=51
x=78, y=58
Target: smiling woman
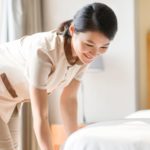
x=89, y=45
x=52, y=60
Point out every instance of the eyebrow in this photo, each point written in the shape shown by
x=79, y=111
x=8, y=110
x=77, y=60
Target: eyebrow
x=95, y=43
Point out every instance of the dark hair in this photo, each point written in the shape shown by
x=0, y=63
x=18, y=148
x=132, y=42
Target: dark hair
x=93, y=17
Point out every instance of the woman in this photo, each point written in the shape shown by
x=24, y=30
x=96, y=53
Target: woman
x=50, y=60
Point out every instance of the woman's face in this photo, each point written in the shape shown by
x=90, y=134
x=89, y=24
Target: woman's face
x=88, y=45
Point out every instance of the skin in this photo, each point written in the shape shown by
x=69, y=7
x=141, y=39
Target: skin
x=39, y=107
x=86, y=46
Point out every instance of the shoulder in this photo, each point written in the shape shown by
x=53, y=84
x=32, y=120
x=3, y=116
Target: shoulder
x=49, y=40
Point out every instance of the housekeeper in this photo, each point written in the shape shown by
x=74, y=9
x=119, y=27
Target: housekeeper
x=35, y=65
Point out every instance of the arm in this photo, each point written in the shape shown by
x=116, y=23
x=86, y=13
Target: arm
x=39, y=105
x=68, y=106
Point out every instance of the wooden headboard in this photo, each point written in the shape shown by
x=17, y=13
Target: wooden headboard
x=148, y=70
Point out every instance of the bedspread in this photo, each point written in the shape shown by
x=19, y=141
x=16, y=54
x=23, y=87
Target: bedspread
x=125, y=134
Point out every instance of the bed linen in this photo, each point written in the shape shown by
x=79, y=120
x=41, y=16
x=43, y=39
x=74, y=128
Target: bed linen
x=125, y=134
x=145, y=113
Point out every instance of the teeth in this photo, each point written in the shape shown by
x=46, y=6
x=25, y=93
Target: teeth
x=89, y=57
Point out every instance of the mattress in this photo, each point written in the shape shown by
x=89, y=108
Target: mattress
x=125, y=134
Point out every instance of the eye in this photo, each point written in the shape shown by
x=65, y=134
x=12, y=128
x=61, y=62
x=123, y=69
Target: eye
x=89, y=45
x=104, y=47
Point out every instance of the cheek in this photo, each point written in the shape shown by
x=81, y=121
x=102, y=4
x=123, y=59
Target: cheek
x=84, y=48
x=103, y=51
x=78, y=47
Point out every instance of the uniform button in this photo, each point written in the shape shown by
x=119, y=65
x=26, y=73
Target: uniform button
x=68, y=67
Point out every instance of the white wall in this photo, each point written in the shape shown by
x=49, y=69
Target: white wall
x=56, y=11
x=109, y=94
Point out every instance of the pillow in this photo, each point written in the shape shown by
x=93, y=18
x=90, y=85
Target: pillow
x=140, y=114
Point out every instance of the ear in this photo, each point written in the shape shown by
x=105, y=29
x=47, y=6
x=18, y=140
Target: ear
x=71, y=29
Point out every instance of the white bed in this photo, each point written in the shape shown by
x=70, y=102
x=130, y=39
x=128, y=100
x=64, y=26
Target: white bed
x=131, y=133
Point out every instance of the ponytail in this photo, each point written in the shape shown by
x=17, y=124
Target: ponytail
x=64, y=28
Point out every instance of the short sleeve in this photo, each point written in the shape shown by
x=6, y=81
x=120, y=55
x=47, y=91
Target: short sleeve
x=39, y=70
x=81, y=72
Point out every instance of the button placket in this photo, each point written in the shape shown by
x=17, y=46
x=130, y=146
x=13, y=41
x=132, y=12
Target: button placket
x=65, y=76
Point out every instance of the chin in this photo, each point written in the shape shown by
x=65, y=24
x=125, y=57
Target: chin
x=84, y=60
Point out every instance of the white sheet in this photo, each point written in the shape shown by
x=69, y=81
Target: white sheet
x=126, y=134
x=140, y=114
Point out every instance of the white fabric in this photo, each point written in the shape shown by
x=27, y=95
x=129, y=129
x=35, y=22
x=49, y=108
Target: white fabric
x=127, y=134
x=140, y=114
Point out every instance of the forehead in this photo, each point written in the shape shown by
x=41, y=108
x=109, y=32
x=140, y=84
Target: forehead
x=93, y=36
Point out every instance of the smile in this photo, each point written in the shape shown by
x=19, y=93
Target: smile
x=89, y=57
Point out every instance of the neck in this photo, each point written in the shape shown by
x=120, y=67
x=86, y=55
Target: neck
x=70, y=55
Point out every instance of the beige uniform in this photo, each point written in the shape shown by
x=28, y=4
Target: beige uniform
x=37, y=60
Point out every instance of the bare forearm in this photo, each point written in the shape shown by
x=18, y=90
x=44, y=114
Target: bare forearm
x=43, y=134
x=69, y=114
x=39, y=105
